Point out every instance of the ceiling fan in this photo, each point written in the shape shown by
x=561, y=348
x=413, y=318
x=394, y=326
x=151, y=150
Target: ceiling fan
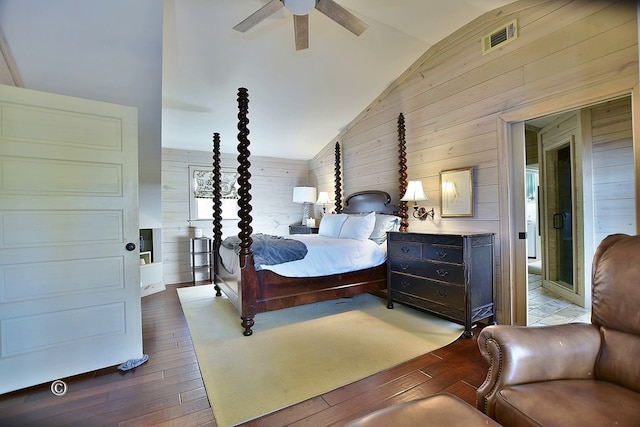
x=300, y=10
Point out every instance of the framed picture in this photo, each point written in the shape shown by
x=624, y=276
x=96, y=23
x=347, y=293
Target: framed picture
x=456, y=192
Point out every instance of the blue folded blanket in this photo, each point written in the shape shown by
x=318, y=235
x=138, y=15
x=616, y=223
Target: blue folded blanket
x=270, y=250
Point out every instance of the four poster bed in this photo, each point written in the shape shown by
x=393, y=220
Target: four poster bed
x=255, y=288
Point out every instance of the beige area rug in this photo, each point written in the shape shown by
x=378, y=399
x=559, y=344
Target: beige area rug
x=301, y=352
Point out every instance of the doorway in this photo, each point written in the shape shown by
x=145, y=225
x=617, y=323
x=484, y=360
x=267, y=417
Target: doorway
x=559, y=188
x=586, y=191
x=553, y=246
x=563, y=194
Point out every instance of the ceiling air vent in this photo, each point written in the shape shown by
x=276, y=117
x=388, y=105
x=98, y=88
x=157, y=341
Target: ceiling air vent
x=500, y=36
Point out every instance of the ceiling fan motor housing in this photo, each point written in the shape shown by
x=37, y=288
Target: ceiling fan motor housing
x=299, y=7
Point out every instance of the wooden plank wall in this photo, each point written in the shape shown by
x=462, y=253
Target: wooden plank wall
x=614, y=199
x=322, y=172
x=272, y=183
x=453, y=96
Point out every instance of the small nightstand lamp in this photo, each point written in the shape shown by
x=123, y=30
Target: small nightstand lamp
x=304, y=195
x=415, y=194
x=323, y=199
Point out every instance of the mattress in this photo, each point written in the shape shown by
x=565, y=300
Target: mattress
x=325, y=256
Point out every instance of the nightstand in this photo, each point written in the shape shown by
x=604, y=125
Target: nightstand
x=302, y=229
x=450, y=275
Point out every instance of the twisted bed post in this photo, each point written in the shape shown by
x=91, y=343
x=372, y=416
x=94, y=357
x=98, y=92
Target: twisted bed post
x=338, y=179
x=404, y=222
x=217, y=209
x=248, y=273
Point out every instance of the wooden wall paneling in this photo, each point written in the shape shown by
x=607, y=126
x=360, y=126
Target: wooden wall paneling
x=578, y=55
x=449, y=149
x=454, y=95
x=488, y=21
x=453, y=66
x=612, y=121
x=424, y=136
x=613, y=169
x=562, y=127
x=372, y=150
x=322, y=174
x=531, y=142
x=577, y=22
x=388, y=131
x=377, y=165
x=522, y=54
x=273, y=180
x=572, y=78
x=450, y=58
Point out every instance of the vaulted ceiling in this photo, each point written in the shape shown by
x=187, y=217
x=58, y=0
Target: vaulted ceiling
x=298, y=100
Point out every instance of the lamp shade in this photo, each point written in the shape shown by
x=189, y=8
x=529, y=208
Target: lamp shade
x=414, y=192
x=323, y=198
x=304, y=194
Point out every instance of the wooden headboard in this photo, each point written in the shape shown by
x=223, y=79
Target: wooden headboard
x=369, y=201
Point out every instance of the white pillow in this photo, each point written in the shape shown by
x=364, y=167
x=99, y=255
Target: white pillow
x=331, y=224
x=383, y=224
x=358, y=227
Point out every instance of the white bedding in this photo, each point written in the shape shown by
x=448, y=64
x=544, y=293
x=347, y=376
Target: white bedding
x=325, y=256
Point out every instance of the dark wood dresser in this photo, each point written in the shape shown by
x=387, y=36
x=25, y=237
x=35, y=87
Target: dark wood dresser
x=451, y=275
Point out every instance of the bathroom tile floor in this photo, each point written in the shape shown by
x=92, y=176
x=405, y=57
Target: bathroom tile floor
x=547, y=308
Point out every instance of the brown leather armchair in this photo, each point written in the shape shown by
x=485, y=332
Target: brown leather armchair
x=576, y=374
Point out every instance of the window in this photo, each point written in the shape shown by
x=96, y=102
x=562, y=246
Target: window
x=201, y=194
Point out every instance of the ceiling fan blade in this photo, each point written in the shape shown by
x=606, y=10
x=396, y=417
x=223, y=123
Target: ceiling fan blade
x=301, y=31
x=342, y=16
x=258, y=16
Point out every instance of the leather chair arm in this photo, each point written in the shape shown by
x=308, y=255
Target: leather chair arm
x=518, y=355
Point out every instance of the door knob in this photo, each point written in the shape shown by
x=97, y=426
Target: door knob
x=130, y=246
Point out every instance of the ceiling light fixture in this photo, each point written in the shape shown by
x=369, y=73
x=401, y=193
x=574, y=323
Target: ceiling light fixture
x=301, y=10
x=299, y=7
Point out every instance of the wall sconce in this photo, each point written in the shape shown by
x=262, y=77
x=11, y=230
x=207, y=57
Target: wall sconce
x=304, y=195
x=415, y=194
x=323, y=199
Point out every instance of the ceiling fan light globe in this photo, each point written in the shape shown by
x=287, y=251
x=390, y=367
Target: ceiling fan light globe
x=300, y=7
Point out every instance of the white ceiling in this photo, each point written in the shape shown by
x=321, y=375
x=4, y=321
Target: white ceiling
x=104, y=50
x=298, y=100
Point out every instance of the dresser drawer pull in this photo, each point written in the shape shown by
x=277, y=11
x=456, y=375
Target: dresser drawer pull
x=405, y=267
x=404, y=284
x=442, y=293
x=441, y=255
x=405, y=249
x=442, y=273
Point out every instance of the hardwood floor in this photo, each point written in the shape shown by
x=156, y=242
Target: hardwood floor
x=168, y=389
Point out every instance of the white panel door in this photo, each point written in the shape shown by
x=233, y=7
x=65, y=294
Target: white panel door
x=69, y=287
